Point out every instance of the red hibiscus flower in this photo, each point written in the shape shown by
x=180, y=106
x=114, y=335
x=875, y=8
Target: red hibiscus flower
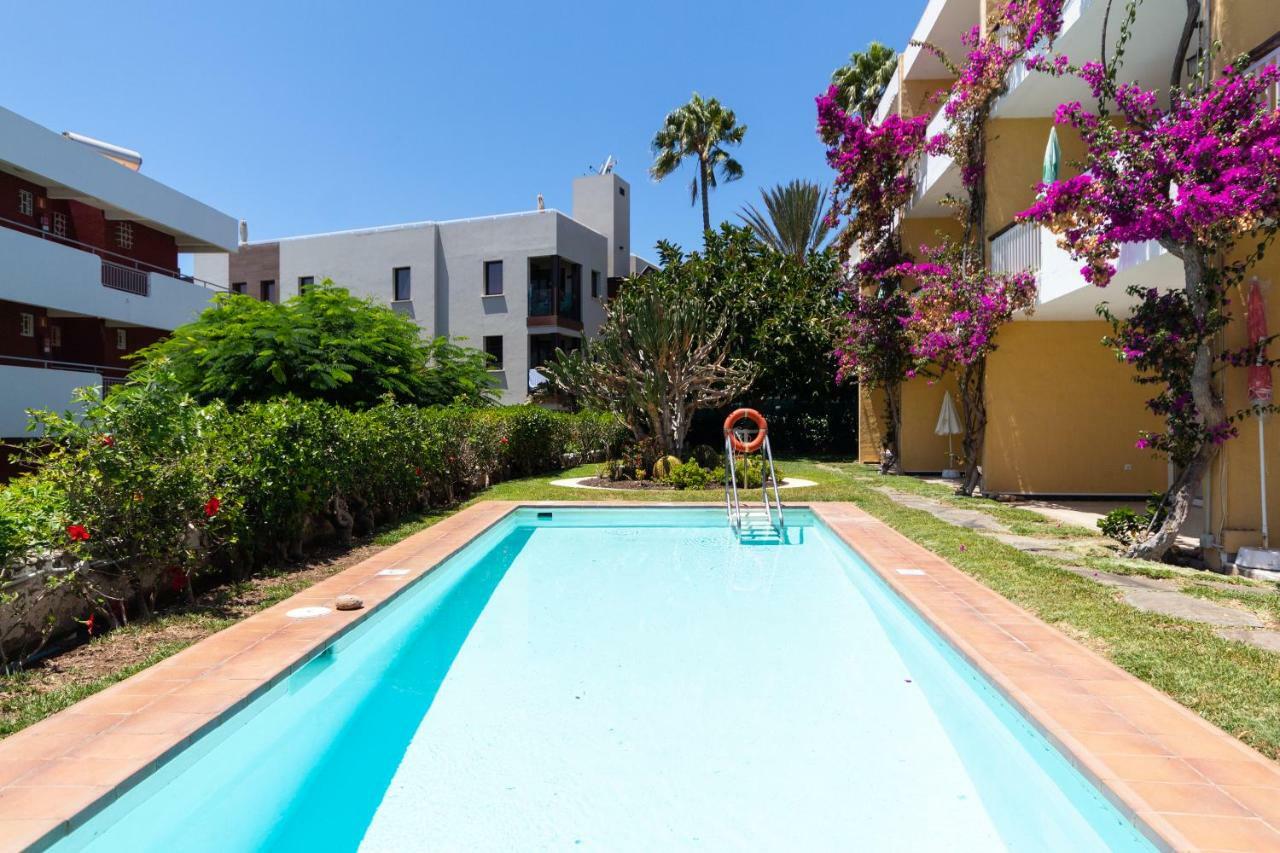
x=211, y=508
x=503, y=440
x=108, y=441
x=78, y=533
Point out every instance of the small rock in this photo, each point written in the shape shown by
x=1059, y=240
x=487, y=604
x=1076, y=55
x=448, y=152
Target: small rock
x=349, y=602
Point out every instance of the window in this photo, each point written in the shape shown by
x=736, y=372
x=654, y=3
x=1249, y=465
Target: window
x=122, y=339
x=55, y=336
x=124, y=235
x=268, y=288
x=27, y=325
x=60, y=224
x=622, y=190
x=305, y=281
x=493, y=278
x=26, y=203
x=401, y=284
x=595, y=284
x=493, y=347
x=238, y=287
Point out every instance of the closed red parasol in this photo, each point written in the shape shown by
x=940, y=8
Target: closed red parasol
x=1259, y=372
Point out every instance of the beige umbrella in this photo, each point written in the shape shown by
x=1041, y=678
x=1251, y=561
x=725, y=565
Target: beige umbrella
x=949, y=425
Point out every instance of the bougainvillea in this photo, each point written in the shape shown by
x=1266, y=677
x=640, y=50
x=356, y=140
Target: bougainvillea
x=952, y=327
x=1199, y=177
x=876, y=352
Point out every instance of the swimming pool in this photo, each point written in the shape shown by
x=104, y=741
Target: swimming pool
x=625, y=679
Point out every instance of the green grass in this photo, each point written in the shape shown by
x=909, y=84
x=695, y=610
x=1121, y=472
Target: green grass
x=1231, y=684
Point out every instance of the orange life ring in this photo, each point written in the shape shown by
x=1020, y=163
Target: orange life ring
x=756, y=418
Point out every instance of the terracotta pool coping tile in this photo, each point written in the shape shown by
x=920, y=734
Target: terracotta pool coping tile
x=1091, y=709
x=1160, y=760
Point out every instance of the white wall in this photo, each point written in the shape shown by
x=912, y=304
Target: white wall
x=41, y=272
x=23, y=388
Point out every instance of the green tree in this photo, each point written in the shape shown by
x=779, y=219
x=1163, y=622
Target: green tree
x=795, y=222
x=324, y=344
x=663, y=353
x=701, y=129
x=863, y=80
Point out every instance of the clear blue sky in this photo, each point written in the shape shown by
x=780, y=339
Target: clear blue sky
x=317, y=116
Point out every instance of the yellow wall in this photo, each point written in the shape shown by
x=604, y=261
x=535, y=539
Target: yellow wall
x=1015, y=157
x=926, y=231
x=1234, y=488
x=1063, y=415
x=1242, y=25
x=921, y=403
x=921, y=97
x=870, y=424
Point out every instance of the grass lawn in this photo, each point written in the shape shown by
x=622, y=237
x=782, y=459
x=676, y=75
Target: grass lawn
x=1231, y=684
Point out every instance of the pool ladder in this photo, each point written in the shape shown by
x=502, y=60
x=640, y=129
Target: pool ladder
x=754, y=525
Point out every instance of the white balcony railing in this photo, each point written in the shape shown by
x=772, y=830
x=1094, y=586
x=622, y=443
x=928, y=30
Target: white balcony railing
x=124, y=278
x=1016, y=249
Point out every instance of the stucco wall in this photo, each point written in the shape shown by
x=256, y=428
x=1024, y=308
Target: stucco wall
x=1063, y=415
x=921, y=97
x=1015, y=154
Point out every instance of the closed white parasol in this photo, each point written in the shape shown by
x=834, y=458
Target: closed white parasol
x=949, y=425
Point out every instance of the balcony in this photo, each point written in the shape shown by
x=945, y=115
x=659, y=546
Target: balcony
x=27, y=383
x=1061, y=291
x=936, y=176
x=1147, y=56
x=555, y=293
x=39, y=269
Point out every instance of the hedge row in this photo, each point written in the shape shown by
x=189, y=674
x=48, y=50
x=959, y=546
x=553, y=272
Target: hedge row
x=148, y=491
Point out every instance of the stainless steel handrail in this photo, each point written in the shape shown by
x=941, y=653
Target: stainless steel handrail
x=773, y=477
x=731, y=484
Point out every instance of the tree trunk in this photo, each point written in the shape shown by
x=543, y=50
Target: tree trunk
x=973, y=405
x=1208, y=408
x=706, y=207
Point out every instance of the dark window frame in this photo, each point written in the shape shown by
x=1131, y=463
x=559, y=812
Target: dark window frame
x=496, y=362
x=265, y=287
x=305, y=281
x=502, y=284
x=240, y=287
x=595, y=284
x=396, y=294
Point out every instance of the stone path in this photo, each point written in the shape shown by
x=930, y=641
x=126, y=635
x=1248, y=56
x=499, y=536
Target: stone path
x=1155, y=595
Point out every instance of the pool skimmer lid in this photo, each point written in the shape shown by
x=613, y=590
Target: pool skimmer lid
x=393, y=573
x=308, y=612
x=910, y=571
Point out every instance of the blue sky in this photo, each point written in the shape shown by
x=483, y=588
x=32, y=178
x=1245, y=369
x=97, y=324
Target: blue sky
x=305, y=117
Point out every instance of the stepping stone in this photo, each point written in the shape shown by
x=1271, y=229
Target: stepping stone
x=1266, y=639
x=1176, y=604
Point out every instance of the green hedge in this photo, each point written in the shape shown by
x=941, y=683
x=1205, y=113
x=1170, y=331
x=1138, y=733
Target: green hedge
x=167, y=489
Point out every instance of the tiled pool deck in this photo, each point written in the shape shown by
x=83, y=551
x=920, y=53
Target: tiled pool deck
x=1190, y=785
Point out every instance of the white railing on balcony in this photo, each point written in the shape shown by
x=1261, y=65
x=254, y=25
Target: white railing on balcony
x=1272, y=58
x=1016, y=249
x=129, y=280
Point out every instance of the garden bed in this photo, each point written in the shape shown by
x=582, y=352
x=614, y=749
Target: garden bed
x=659, y=486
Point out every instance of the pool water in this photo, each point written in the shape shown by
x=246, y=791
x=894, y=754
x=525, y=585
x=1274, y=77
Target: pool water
x=626, y=679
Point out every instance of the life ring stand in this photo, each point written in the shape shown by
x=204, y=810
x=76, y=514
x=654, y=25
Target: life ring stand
x=756, y=418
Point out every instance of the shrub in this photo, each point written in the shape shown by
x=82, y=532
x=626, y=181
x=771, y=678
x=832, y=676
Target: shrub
x=1126, y=526
x=691, y=475
x=749, y=472
x=149, y=490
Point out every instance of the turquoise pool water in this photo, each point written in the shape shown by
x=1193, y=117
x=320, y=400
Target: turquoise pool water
x=626, y=679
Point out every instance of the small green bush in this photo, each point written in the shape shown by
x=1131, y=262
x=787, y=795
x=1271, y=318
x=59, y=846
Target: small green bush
x=1126, y=526
x=750, y=470
x=691, y=475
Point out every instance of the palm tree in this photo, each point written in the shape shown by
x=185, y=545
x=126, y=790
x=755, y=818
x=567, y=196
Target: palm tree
x=862, y=82
x=699, y=129
x=796, y=223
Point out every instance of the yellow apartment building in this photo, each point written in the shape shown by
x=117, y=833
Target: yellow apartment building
x=1064, y=414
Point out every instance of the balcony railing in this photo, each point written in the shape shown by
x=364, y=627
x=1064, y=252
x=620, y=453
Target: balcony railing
x=127, y=279
x=108, y=257
x=110, y=374
x=1016, y=249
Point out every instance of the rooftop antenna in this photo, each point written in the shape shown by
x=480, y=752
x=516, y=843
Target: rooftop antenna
x=609, y=163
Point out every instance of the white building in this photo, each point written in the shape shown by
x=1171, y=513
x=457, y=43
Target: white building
x=517, y=285
x=89, y=268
